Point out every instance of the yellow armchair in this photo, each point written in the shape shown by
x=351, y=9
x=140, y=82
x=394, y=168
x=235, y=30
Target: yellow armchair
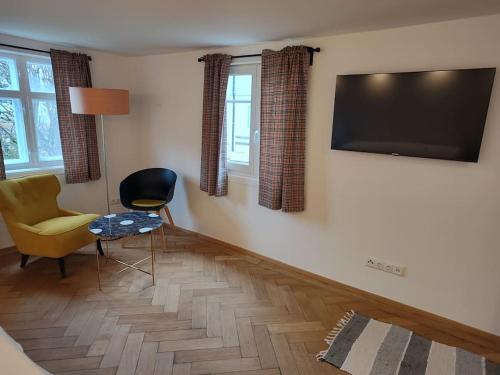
x=36, y=223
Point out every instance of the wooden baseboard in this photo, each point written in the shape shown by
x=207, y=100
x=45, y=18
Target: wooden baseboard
x=7, y=250
x=448, y=326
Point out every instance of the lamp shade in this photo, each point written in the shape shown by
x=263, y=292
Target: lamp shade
x=91, y=101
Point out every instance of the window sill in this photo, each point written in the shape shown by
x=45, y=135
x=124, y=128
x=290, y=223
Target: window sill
x=15, y=173
x=243, y=179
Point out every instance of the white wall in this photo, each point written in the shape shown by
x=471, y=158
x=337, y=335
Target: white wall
x=441, y=219
x=109, y=71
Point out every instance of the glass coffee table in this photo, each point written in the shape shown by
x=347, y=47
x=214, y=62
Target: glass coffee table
x=116, y=226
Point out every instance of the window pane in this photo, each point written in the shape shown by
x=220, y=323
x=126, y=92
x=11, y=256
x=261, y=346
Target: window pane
x=12, y=134
x=239, y=130
x=40, y=77
x=239, y=87
x=47, y=129
x=243, y=87
x=9, y=79
x=238, y=117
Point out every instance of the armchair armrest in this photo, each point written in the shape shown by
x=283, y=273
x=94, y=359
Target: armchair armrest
x=24, y=237
x=25, y=228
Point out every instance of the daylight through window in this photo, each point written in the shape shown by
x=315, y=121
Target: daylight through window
x=242, y=118
x=29, y=129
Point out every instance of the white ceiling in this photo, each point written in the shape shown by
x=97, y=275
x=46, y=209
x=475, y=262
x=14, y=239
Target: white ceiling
x=135, y=27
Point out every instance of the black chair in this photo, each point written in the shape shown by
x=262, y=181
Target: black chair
x=149, y=190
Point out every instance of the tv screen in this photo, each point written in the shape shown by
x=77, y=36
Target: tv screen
x=436, y=114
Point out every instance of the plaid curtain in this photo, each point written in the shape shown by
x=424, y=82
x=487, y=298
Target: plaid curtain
x=213, y=176
x=78, y=132
x=2, y=166
x=283, y=128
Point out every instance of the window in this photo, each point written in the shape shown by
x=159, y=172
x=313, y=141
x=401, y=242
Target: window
x=242, y=118
x=29, y=129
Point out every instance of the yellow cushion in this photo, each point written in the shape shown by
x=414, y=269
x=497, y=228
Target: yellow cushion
x=148, y=202
x=63, y=224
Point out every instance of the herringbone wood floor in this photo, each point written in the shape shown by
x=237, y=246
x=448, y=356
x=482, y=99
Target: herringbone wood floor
x=211, y=312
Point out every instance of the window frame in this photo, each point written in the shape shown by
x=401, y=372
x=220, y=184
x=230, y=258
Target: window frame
x=252, y=168
x=26, y=97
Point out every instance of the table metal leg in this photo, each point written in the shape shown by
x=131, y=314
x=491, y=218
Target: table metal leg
x=127, y=265
x=133, y=265
x=152, y=259
x=98, y=269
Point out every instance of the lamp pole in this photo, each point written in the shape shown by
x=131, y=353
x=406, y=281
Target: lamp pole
x=105, y=163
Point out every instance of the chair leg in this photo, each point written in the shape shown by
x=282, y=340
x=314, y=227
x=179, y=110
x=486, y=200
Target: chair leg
x=99, y=247
x=170, y=219
x=24, y=260
x=162, y=234
x=62, y=267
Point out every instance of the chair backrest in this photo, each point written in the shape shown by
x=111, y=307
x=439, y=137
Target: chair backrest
x=29, y=200
x=151, y=183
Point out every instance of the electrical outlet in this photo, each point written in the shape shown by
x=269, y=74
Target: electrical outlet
x=370, y=262
x=386, y=267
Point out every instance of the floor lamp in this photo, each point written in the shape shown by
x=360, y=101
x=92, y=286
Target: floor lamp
x=91, y=101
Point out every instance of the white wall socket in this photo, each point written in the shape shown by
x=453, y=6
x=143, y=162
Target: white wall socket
x=386, y=267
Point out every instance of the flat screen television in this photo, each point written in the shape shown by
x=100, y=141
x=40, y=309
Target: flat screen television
x=435, y=114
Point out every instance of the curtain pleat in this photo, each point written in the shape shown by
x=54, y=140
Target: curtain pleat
x=283, y=128
x=78, y=132
x=213, y=175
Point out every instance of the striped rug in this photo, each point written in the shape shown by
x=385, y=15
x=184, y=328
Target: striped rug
x=364, y=346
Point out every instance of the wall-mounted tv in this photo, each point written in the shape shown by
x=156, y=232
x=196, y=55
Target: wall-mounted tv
x=435, y=114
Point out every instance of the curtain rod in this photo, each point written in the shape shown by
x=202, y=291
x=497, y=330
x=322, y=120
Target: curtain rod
x=30, y=49
x=311, y=51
